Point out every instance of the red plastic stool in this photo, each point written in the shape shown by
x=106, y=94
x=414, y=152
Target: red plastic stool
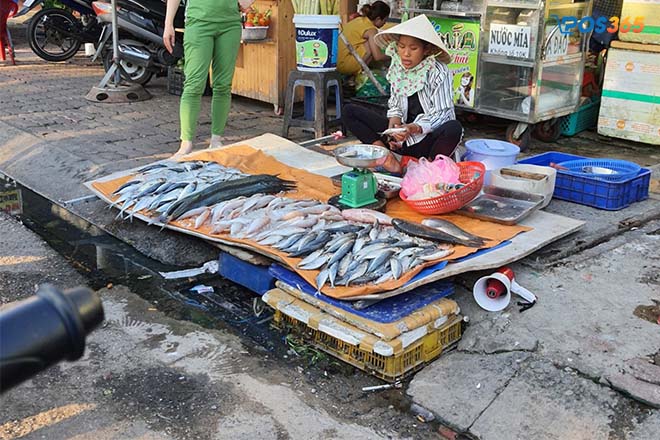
x=7, y=9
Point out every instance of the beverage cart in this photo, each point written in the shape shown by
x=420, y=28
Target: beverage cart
x=512, y=60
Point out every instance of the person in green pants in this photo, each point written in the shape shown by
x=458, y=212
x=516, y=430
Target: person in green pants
x=212, y=37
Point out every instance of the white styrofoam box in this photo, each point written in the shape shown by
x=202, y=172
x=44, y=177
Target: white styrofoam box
x=630, y=103
x=649, y=13
x=544, y=187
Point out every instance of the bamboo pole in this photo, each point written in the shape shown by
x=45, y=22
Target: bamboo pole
x=366, y=68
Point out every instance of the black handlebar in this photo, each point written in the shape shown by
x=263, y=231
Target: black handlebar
x=40, y=331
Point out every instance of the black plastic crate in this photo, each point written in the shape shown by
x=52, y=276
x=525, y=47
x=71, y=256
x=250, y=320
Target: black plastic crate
x=175, y=78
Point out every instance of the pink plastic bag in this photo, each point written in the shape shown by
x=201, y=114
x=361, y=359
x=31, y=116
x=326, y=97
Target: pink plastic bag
x=425, y=176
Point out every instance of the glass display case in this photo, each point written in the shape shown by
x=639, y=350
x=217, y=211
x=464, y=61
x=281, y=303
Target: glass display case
x=522, y=65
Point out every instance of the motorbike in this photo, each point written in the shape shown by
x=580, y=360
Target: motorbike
x=56, y=34
x=44, y=329
x=142, y=52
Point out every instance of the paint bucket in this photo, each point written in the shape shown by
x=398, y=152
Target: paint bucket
x=316, y=42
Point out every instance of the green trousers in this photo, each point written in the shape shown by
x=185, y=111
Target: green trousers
x=206, y=42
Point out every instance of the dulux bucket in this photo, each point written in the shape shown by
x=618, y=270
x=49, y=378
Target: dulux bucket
x=492, y=153
x=317, y=37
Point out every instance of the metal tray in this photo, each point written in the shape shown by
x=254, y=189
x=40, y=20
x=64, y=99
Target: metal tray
x=361, y=155
x=502, y=205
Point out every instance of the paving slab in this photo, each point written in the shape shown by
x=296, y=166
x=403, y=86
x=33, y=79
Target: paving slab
x=648, y=428
x=458, y=387
x=543, y=402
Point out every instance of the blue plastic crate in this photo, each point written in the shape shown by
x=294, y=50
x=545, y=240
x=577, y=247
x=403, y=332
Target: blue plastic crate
x=256, y=278
x=597, y=193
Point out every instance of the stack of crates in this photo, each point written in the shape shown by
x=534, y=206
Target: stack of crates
x=390, y=351
x=630, y=102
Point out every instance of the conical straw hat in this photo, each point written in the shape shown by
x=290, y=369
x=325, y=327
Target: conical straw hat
x=418, y=27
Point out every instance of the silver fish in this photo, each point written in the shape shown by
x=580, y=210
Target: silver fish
x=385, y=277
x=435, y=254
x=380, y=259
x=332, y=273
x=339, y=241
x=289, y=241
x=451, y=229
x=316, y=263
x=396, y=267
x=257, y=225
x=357, y=273
x=193, y=212
x=341, y=252
x=311, y=257
x=322, y=278
x=271, y=240
x=344, y=264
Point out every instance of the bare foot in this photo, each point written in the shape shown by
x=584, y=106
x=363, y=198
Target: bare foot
x=392, y=164
x=216, y=141
x=185, y=148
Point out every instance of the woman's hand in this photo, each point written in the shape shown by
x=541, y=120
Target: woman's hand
x=411, y=129
x=169, y=38
x=394, y=122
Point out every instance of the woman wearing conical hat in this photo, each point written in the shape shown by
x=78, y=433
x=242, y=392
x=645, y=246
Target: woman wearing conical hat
x=420, y=104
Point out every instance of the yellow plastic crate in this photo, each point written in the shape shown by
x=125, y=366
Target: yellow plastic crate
x=388, y=368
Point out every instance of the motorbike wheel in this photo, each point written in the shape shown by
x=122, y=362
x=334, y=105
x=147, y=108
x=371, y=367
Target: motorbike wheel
x=43, y=34
x=134, y=73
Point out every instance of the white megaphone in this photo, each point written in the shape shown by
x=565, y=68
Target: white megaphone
x=493, y=292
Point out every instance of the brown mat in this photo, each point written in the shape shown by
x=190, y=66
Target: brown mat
x=313, y=186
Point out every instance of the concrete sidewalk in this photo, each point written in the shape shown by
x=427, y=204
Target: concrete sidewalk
x=567, y=368
x=148, y=376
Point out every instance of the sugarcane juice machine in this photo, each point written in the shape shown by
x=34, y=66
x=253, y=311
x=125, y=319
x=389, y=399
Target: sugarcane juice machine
x=359, y=186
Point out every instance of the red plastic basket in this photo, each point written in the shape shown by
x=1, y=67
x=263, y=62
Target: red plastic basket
x=456, y=199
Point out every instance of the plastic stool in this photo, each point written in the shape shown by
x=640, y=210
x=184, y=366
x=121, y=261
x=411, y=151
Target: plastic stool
x=317, y=85
x=7, y=9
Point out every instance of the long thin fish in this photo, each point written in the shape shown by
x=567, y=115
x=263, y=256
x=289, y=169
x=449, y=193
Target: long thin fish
x=452, y=229
x=419, y=230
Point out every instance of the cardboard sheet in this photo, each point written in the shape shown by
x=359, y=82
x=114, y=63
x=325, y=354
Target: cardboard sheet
x=312, y=186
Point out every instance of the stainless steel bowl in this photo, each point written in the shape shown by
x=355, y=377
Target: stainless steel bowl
x=361, y=155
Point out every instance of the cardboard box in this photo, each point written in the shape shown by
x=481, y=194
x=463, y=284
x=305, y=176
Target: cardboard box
x=630, y=104
x=649, y=13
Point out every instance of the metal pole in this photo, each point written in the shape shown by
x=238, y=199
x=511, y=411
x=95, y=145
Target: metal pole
x=115, y=42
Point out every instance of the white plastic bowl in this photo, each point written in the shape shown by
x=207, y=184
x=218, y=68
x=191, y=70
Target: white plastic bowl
x=254, y=33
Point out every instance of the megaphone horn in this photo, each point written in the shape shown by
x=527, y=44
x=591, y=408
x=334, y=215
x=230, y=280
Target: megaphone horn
x=493, y=292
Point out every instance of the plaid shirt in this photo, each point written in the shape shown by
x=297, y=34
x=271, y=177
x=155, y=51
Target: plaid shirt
x=436, y=100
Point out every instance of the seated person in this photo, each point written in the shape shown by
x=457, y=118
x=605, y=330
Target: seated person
x=360, y=34
x=421, y=100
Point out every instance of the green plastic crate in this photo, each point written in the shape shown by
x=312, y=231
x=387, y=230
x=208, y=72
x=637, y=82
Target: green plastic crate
x=585, y=118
